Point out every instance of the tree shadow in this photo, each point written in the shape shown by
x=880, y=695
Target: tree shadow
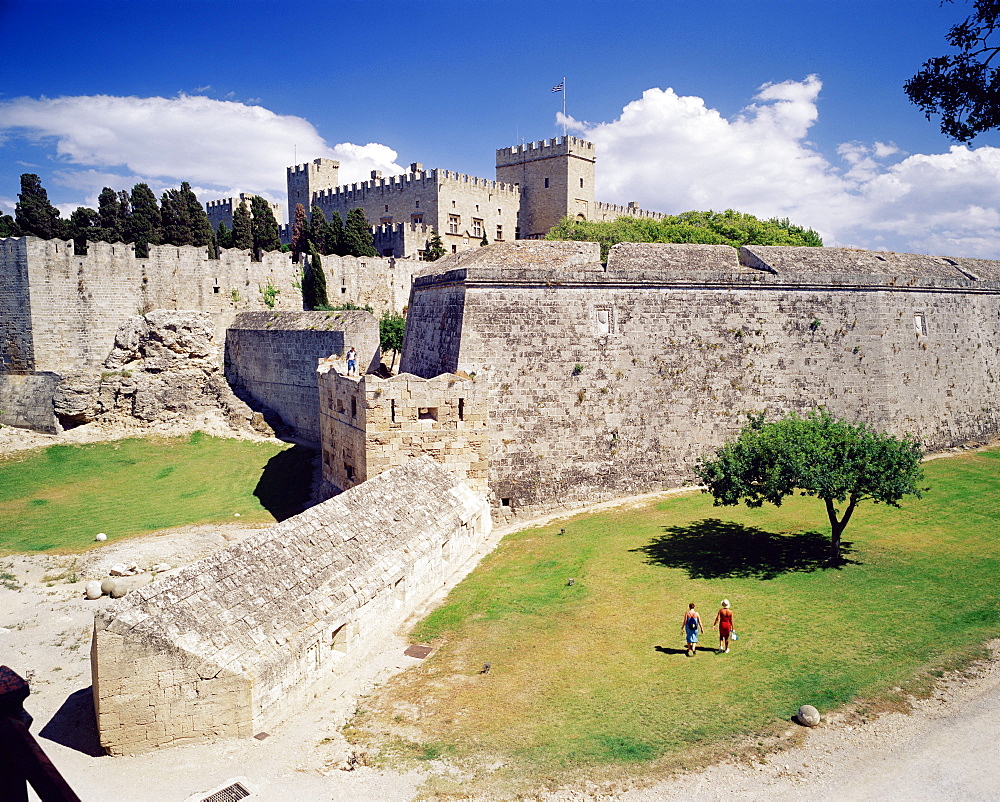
x=74, y=724
x=714, y=549
x=285, y=485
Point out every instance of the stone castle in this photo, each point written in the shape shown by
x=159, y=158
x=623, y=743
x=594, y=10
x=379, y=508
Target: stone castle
x=536, y=186
x=533, y=376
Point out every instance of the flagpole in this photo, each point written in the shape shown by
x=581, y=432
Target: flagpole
x=564, y=106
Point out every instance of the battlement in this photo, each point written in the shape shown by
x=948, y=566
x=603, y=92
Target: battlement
x=546, y=149
x=314, y=166
x=415, y=178
x=612, y=211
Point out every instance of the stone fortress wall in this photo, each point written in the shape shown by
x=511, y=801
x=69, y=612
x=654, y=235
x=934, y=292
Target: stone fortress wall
x=221, y=210
x=59, y=312
x=272, y=357
x=370, y=424
x=607, y=380
x=236, y=643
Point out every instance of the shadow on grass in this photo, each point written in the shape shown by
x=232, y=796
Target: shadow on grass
x=714, y=549
x=285, y=485
x=74, y=724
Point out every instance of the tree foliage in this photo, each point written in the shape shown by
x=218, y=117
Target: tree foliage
x=333, y=235
x=8, y=227
x=963, y=88
x=264, y=227
x=391, y=328
x=817, y=455
x=435, y=247
x=144, y=226
x=34, y=214
x=242, y=237
x=314, y=282
x=358, y=239
x=300, y=233
x=709, y=228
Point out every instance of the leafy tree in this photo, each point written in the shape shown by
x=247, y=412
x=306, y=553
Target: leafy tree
x=816, y=455
x=8, y=228
x=709, y=228
x=34, y=215
x=435, y=247
x=391, y=328
x=963, y=88
x=176, y=222
x=264, y=227
x=358, y=240
x=314, y=282
x=242, y=229
x=144, y=225
x=300, y=233
x=333, y=236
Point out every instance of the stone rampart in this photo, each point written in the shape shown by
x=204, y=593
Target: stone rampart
x=236, y=643
x=610, y=380
x=370, y=425
x=271, y=359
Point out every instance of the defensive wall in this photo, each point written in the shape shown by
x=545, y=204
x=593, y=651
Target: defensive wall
x=221, y=210
x=59, y=312
x=271, y=359
x=370, y=424
x=613, y=379
x=234, y=644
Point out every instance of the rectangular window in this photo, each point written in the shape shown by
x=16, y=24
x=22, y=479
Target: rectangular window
x=418, y=204
x=920, y=323
x=499, y=233
x=546, y=183
x=392, y=411
x=477, y=228
x=581, y=183
x=417, y=219
x=354, y=407
x=454, y=221
x=461, y=409
x=427, y=413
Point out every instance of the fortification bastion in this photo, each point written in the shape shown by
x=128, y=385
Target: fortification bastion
x=611, y=379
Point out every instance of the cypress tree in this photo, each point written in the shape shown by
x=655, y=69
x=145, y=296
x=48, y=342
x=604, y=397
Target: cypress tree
x=317, y=229
x=198, y=224
x=264, y=227
x=333, y=236
x=242, y=236
x=110, y=227
x=144, y=226
x=8, y=228
x=173, y=214
x=435, y=248
x=84, y=224
x=314, y=282
x=300, y=233
x=358, y=239
x=35, y=216
x=224, y=236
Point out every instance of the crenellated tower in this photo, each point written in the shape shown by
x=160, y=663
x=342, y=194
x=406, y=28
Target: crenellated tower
x=305, y=180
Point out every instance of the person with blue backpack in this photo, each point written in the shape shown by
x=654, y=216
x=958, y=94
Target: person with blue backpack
x=692, y=626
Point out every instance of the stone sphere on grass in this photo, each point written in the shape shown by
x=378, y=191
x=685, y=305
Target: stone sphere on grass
x=808, y=716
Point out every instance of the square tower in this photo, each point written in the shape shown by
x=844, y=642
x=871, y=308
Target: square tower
x=305, y=180
x=556, y=178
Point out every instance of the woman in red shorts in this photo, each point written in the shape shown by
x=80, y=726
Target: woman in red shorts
x=724, y=621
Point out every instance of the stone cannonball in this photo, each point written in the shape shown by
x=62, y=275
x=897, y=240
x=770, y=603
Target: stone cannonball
x=107, y=586
x=100, y=537
x=118, y=590
x=808, y=715
x=92, y=590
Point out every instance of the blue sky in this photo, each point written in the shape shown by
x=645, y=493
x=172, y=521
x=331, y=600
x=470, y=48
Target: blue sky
x=789, y=109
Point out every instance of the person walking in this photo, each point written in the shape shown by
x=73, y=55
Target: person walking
x=352, y=362
x=692, y=626
x=724, y=621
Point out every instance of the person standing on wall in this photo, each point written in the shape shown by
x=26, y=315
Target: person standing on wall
x=724, y=621
x=692, y=626
x=352, y=362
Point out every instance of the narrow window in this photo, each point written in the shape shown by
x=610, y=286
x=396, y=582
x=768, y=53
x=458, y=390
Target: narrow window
x=461, y=409
x=546, y=183
x=392, y=410
x=418, y=204
x=349, y=470
x=581, y=183
x=920, y=323
x=354, y=407
x=338, y=642
x=499, y=233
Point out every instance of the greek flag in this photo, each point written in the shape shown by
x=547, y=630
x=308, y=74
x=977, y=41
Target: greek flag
x=559, y=87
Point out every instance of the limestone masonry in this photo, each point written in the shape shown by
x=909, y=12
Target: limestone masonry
x=537, y=184
x=237, y=642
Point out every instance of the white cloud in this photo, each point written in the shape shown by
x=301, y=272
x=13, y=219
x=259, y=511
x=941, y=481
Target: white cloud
x=222, y=146
x=673, y=153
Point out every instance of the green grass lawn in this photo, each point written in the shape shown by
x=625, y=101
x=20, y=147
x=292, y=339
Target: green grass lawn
x=58, y=498
x=591, y=679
